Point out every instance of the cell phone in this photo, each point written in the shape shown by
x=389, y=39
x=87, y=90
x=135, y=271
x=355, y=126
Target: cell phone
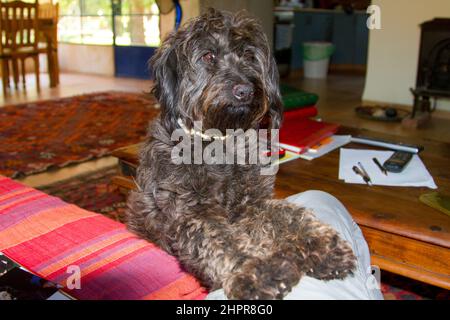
x=398, y=161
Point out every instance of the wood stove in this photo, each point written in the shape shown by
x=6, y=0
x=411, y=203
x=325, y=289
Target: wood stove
x=433, y=72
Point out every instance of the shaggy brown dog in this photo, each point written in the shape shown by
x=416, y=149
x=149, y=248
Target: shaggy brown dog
x=220, y=221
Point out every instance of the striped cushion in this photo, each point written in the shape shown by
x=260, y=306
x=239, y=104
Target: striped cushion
x=46, y=235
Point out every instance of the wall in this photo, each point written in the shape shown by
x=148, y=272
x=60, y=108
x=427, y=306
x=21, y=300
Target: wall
x=394, y=50
x=191, y=8
x=86, y=59
x=261, y=9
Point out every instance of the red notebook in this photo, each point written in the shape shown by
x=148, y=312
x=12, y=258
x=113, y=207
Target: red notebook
x=305, y=112
x=300, y=134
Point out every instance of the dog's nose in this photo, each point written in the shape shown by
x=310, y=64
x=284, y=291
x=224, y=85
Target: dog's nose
x=243, y=92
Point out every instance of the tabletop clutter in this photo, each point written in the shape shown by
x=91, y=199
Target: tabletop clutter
x=303, y=135
x=415, y=174
x=400, y=165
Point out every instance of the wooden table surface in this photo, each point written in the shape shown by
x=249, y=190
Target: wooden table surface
x=404, y=235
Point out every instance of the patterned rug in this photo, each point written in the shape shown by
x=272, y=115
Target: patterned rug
x=37, y=136
x=94, y=192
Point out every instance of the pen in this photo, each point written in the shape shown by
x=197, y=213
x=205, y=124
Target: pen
x=383, y=169
x=365, y=177
x=365, y=173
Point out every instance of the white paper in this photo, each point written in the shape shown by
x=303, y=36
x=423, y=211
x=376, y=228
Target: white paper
x=338, y=141
x=415, y=174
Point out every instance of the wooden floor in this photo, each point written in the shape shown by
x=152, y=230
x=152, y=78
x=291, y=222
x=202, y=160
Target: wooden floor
x=339, y=95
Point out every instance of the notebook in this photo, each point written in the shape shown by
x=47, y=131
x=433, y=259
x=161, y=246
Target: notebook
x=294, y=98
x=300, y=134
x=297, y=114
x=337, y=142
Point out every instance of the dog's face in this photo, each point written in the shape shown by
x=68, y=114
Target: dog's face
x=217, y=69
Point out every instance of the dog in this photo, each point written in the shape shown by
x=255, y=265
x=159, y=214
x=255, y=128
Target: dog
x=221, y=221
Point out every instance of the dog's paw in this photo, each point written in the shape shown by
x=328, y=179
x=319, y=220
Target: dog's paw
x=246, y=287
x=337, y=260
x=267, y=280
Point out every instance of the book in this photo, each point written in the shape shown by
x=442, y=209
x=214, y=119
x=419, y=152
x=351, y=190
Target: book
x=294, y=98
x=298, y=100
x=437, y=201
x=299, y=135
x=315, y=148
x=288, y=156
x=337, y=142
x=306, y=112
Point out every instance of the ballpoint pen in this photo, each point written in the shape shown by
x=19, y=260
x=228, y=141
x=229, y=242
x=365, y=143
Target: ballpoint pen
x=365, y=174
x=383, y=169
x=360, y=173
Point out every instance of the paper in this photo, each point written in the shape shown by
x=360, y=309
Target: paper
x=415, y=174
x=338, y=141
x=289, y=156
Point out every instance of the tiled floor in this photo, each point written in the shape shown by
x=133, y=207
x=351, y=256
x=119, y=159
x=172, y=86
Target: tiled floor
x=73, y=84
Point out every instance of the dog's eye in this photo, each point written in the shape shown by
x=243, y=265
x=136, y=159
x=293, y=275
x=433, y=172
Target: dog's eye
x=249, y=55
x=208, y=57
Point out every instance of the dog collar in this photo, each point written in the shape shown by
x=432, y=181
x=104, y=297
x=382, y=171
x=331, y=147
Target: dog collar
x=204, y=136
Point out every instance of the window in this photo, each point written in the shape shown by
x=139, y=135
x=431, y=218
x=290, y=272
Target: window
x=137, y=23
x=128, y=22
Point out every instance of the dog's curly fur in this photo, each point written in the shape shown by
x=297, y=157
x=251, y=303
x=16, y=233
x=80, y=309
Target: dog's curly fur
x=221, y=221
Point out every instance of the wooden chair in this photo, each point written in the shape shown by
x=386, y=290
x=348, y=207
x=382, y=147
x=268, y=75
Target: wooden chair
x=50, y=12
x=18, y=39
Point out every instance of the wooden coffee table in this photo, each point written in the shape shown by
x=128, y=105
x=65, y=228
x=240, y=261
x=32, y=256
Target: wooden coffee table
x=405, y=236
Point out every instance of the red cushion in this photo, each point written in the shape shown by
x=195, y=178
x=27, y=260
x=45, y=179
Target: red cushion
x=46, y=235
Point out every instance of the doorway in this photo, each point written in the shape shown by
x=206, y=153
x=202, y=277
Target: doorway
x=127, y=30
x=135, y=36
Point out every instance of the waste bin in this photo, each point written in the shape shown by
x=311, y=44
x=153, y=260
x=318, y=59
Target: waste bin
x=316, y=58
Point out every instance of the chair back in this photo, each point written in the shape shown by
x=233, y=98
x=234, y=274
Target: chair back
x=49, y=11
x=18, y=25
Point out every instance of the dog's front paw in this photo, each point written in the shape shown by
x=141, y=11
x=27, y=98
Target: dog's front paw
x=337, y=260
x=246, y=287
x=263, y=281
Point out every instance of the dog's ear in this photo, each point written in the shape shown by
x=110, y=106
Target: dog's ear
x=273, y=94
x=164, y=66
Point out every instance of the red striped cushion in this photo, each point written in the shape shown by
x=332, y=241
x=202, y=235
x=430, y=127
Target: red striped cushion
x=46, y=235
